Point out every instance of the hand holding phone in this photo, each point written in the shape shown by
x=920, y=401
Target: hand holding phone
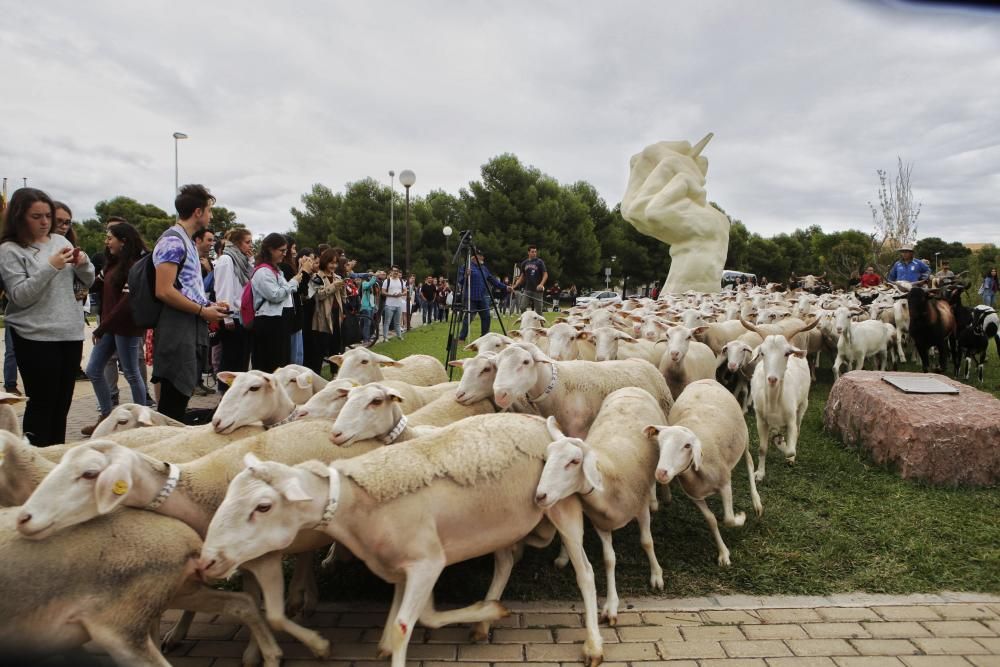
x=76, y=255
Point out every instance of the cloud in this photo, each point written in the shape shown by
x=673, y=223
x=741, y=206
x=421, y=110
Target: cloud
x=807, y=100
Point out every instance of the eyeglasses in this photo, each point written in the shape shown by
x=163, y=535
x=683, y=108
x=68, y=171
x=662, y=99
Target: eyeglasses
x=281, y=250
x=64, y=221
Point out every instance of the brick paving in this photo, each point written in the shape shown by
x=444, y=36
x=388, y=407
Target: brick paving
x=859, y=630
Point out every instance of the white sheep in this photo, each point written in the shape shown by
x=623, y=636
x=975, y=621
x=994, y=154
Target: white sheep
x=717, y=334
x=571, y=391
x=253, y=397
x=71, y=494
x=299, y=382
x=327, y=402
x=363, y=366
x=8, y=417
x=606, y=344
x=408, y=512
x=612, y=471
x=530, y=319
x=562, y=341
x=491, y=342
x=47, y=606
x=533, y=335
x=706, y=438
x=685, y=359
x=129, y=416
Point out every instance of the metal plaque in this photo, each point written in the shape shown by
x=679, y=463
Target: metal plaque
x=915, y=384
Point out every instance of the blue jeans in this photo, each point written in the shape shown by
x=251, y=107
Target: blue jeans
x=989, y=299
x=366, y=324
x=9, y=360
x=297, y=352
x=128, y=357
x=392, y=314
x=482, y=306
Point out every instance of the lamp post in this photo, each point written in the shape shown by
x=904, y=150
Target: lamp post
x=392, y=216
x=937, y=262
x=447, y=238
x=407, y=178
x=177, y=137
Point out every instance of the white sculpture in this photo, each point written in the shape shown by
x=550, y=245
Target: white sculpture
x=666, y=199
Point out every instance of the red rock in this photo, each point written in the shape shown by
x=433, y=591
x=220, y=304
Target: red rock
x=945, y=439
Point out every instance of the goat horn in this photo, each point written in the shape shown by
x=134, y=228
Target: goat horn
x=750, y=327
x=802, y=329
x=700, y=146
x=897, y=286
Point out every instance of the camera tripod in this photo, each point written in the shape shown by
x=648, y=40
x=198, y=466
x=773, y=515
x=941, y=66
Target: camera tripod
x=461, y=305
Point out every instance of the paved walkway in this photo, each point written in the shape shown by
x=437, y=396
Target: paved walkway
x=946, y=630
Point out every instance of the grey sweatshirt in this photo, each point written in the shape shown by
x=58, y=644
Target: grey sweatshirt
x=42, y=305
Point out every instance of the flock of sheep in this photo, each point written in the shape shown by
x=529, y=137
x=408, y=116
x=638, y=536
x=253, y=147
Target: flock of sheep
x=411, y=473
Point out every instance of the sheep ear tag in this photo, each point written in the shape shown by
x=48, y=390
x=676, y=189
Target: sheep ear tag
x=120, y=487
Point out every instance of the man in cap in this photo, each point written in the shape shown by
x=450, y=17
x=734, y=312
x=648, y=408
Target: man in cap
x=475, y=294
x=908, y=269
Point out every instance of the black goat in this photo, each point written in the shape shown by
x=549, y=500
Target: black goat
x=974, y=339
x=932, y=324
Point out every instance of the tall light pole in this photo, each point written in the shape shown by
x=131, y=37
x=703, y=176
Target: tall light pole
x=407, y=178
x=447, y=247
x=392, y=216
x=177, y=137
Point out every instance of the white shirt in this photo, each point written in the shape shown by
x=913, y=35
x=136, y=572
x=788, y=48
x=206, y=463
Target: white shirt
x=394, y=286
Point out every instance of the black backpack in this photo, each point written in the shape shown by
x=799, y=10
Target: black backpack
x=142, y=287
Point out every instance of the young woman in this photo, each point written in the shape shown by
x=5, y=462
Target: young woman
x=990, y=287
x=232, y=272
x=326, y=289
x=272, y=294
x=38, y=269
x=294, y=316
x=117, y=331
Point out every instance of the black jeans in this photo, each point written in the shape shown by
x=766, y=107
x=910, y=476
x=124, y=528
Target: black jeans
x=172, y=402
x=272, y=346
x=235, y=344
x=49, y=373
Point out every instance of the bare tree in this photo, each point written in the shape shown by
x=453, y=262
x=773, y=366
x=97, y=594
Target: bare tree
x=896, y=215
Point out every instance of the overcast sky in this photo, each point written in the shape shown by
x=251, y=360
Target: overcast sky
x=806, y=100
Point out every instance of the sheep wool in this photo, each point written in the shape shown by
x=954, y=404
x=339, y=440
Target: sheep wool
x=476, y=449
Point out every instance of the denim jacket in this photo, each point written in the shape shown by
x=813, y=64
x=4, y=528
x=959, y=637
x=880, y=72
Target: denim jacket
x=271, y=288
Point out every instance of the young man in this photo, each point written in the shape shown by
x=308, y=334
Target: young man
x=533, y=277
x=869, y=278
x=180, y=339
x=395, y=290
x=907, y=268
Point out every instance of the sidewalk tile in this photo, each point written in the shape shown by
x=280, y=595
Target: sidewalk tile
x=954, y=612
x=552, y=620
x=712, y=633
x=312, y=662
x=360, y=663
x=907, y=613
x=553, y=652
x=218, y=649
x=789, y=615
x=431, y=651
x=763, y=648
x=521, y=636
x=435, y=663
x=847, y=614
x=188, y=661
x=949, y=646
x=374, y=635
x=991, y=643
x=984, y=660
x=497, y=664
x=816, y=661
x=671, y=618
x=958, y=629
x=663, y=663
x=778, y=631
x=628, y=618
x=647, y=633
x=734, y=662
x=818, y=647
x=884, y=647
x=691, y=650
x=729, y=617
x=446, y=635
x=869, y=661
x=491, y=652
x=896, y=629
x=935, y=661
x=630, y=652
x=579, y=635
x=834, y=630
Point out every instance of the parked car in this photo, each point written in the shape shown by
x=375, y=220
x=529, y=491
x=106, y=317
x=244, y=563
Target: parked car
x=603, y=297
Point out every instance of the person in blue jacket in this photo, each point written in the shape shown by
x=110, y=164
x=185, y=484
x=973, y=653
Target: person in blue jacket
x=477, y=299
x=908, y=269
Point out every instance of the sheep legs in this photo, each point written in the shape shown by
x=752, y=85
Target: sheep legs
x=764, y=438
x=421, y=576
x=610, y=609
x=124, y=650
x=646, y=540
x=267, y=571
x=239, y=605
x=758, y=506
x=567, y=516
x=713, y=526
x=728, y=518
x=302, y=590
x=174, y=635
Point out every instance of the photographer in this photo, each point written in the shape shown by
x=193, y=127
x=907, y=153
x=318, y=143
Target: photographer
x=475, y=295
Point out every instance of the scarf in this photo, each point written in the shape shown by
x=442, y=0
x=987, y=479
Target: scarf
x=241, y=264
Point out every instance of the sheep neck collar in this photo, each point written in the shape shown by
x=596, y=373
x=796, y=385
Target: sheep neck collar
x=550, y=386
x=396, y=431
x=286, y=420
x=173, y=476
x=331, y=505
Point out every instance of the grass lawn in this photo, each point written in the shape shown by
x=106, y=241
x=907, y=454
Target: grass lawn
x=833, y=522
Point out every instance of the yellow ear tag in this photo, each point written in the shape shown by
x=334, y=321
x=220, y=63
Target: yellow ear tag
x=309, y=379
x=120, y=487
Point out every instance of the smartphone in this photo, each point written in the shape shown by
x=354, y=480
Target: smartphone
x=76, y=255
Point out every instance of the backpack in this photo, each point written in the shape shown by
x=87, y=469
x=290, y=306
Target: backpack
x=141, y=283
x=248, y=309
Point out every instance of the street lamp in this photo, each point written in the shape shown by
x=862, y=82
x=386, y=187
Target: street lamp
x=447, y=237
x=407, y=178
x=177, y=137
x=937, y=263
x=392, y=216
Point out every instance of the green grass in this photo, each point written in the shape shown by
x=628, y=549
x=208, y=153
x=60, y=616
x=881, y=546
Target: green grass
x=833, y=522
